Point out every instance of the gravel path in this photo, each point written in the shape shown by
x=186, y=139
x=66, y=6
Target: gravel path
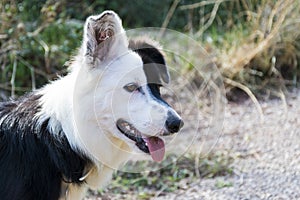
x=266, y=152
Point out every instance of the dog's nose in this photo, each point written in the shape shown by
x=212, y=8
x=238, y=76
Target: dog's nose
x=174, y=124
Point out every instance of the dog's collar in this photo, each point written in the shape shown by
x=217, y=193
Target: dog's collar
x=86, y=174
x=65, y=186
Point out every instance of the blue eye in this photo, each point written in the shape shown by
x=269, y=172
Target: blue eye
x=131, y=87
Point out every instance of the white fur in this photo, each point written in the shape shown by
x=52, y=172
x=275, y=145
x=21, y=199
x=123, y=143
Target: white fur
x=87, y=102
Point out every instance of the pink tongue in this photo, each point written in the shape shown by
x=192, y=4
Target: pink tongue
x=156, y=147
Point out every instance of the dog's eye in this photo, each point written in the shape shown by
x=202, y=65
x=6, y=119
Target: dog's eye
x=131, y=87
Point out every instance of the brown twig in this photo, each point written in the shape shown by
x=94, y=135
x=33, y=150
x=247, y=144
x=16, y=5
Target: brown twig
x=37, y=71
x=17, y=89
x=249, y=93
x=168, y=17
x=200, y=4
x=211, y=18
x=38, y=30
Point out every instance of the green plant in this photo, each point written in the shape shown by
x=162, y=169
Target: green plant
x=175, y=174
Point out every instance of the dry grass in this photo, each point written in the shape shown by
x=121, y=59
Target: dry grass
x=257, y=52
x=273, y=26
x=261, y=50
x=266, y=60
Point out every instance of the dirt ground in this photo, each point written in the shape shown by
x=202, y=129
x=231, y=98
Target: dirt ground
x=266, y=151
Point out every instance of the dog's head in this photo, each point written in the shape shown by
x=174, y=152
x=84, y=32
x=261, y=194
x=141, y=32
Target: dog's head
x=129, y=76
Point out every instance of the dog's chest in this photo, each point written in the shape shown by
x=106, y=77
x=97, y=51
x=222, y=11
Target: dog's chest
x=95, y=177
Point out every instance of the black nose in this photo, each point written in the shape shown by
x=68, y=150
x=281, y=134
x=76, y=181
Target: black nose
x=174, y=123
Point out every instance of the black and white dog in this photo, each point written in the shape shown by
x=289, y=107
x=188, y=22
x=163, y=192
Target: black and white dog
x=71, y=134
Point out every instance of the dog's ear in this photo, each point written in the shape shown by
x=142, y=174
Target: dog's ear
x=104, y=38
x=154, y=63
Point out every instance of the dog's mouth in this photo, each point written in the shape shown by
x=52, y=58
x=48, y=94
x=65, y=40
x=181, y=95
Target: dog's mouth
x=153, y=145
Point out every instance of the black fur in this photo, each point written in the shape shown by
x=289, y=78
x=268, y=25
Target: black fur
x=154, y=65
x=33, y=162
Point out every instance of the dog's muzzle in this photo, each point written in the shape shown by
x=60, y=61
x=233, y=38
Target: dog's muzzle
x=152, y=145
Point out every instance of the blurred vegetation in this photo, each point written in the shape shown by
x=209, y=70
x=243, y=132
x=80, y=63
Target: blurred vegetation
x=37, y=37
x=174, y=174
x=255, y=43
